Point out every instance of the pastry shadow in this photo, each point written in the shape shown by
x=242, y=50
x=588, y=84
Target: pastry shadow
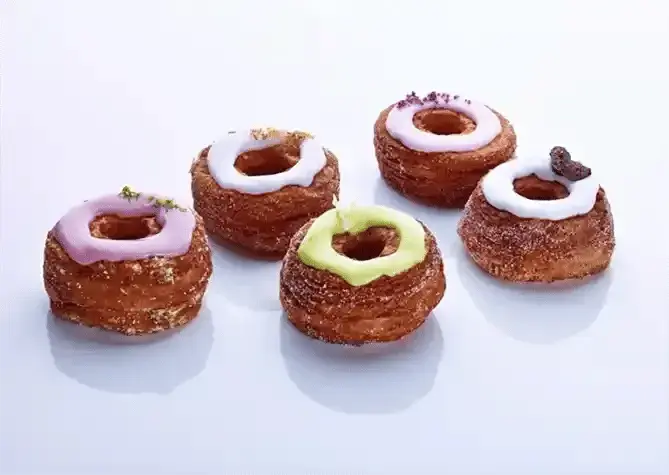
x=535, y=313
x=442, y=222
x=376, y=378
x=243, y=280
x=112, y=362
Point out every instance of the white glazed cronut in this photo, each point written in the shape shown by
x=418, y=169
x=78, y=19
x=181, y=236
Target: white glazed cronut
x=256, y=189
x=539, y=220
x=435, y=149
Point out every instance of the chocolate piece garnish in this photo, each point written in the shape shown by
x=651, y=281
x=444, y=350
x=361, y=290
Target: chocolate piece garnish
x=563, y=165
x=559, y=155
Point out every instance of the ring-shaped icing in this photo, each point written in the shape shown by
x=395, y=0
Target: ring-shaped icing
x=498, y=190
x=316, y=248
x=174, y=239
x=400, y=126
x=223, y=154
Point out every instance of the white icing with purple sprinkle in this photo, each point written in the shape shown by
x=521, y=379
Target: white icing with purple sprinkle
x=400, y=126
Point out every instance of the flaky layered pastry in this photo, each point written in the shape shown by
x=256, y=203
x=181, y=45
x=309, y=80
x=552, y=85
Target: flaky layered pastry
x=440, y=177
x=133, y=297
x=325, y=306
x=546, y=248
x=262, y=223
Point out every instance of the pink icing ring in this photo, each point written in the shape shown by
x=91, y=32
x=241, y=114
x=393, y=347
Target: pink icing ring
x=174, y=239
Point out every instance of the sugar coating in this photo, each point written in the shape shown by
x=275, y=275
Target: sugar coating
x=131, y=297
x=537, y=250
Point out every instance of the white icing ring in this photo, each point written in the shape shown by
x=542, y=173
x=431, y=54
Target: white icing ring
x=497, y=188
x=223, y=154
x=400, y=126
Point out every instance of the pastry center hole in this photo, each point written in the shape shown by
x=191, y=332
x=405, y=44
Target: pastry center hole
x=268, y=161
x=124, y=228
x=534, y=188
x=369, y=244
x=443, y=122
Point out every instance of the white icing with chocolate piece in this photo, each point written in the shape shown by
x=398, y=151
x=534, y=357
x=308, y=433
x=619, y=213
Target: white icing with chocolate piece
x=498, y=190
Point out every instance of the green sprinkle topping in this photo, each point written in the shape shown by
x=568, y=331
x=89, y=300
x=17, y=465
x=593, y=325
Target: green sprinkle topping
x=128, y=194
x=168, y=204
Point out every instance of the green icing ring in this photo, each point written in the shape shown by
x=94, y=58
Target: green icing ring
x=316, y=248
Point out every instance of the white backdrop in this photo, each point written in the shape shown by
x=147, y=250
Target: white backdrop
x=97, y=94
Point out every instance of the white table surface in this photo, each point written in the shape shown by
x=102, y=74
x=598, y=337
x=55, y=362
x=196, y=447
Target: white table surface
x=502, y=380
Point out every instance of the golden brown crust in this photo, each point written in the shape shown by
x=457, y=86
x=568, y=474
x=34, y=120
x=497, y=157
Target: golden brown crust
x=537, y=250
x=131, y=297
x=261, y=224
x=324, y=306
x=443, y=179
